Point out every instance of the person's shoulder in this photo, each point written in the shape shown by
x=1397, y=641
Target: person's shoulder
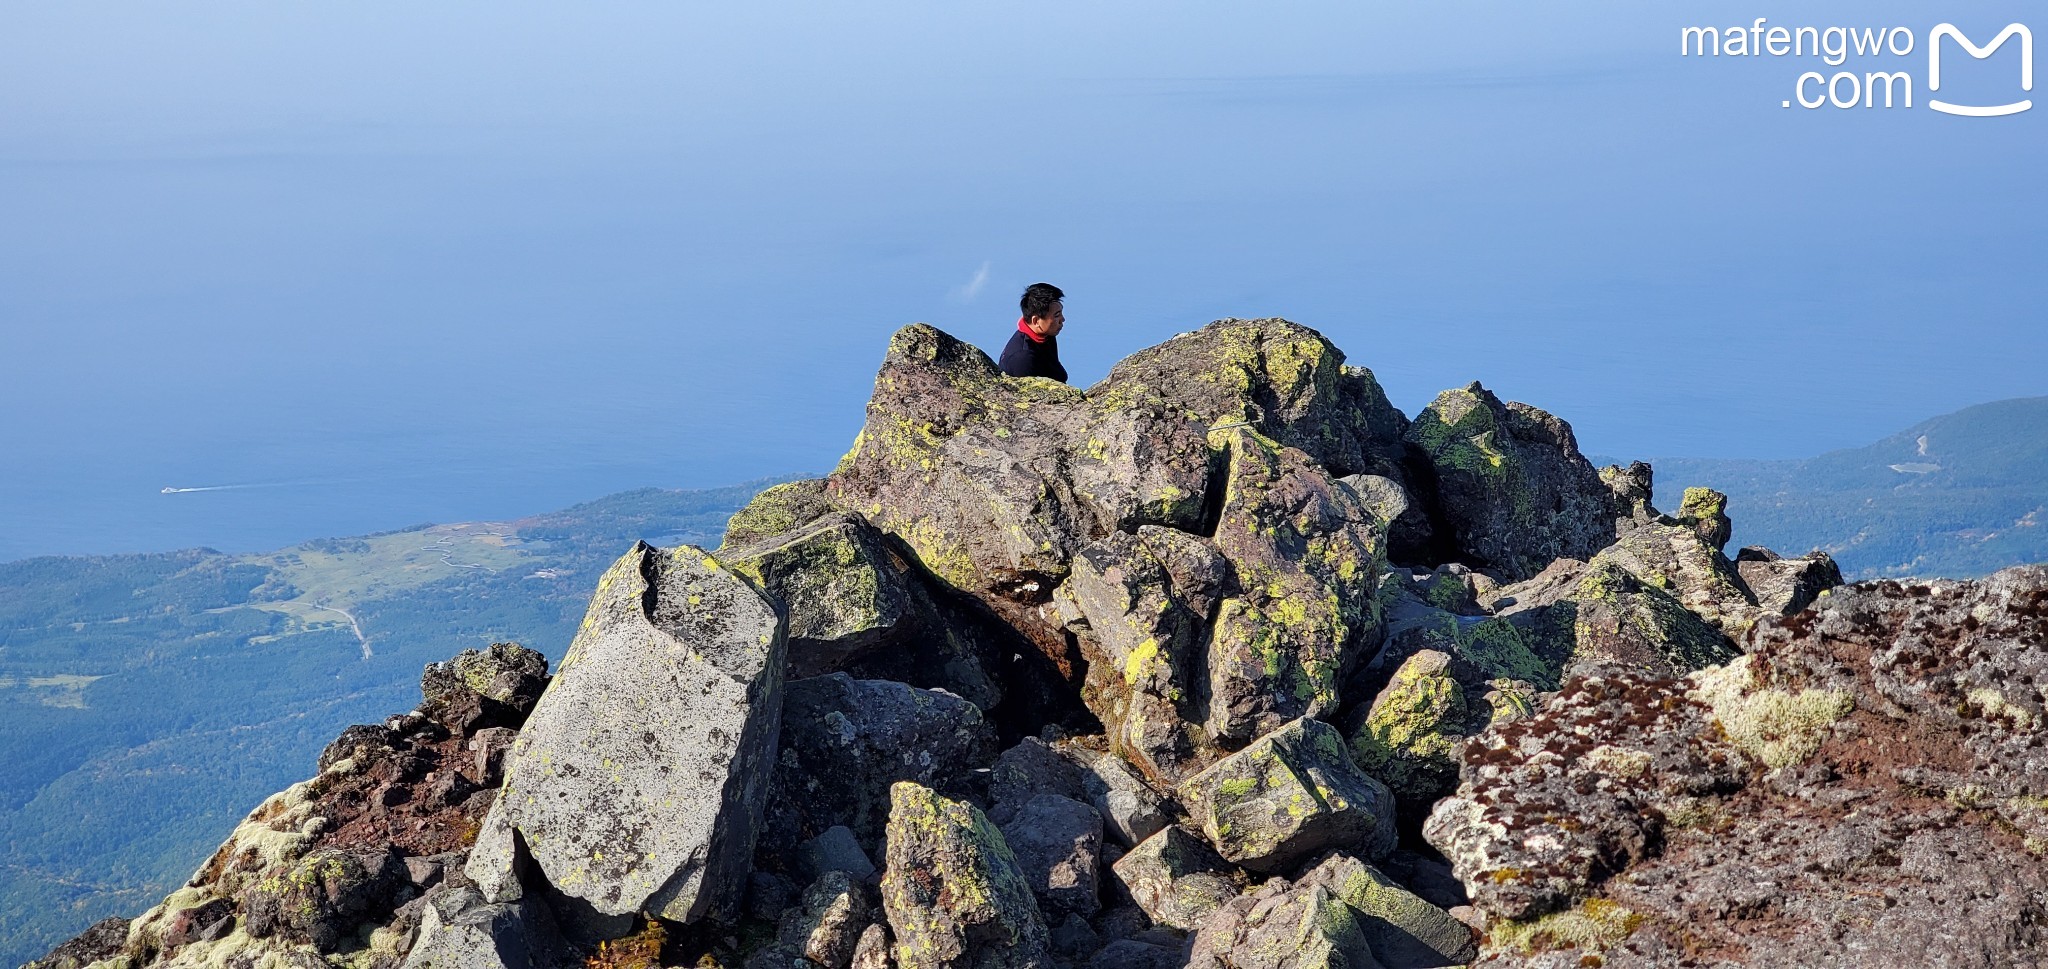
x=1016, y=355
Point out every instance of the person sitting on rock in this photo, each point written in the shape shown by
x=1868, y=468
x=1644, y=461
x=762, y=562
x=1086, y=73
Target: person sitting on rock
x=1034, y=350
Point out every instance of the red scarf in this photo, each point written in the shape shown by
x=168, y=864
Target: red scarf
x=1024, y=327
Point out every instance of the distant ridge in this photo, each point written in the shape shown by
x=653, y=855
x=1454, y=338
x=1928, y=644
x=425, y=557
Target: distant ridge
x=1956, y=496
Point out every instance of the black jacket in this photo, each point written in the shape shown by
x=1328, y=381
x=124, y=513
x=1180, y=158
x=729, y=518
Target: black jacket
x=1025, y=358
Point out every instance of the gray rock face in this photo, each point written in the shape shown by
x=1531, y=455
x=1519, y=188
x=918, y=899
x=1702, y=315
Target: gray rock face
x=1177, y=878
x=1409, y=532
x=484, y=689
x=1030, y=768
x=953, y=891
x=1512, y=484
x=836, y=850
x=826, y=925
x=842, y=590
x=322, y=898
x=1147, y=599
x=638, y=782
x=845, y=742
x=1404, y=931
x=1131, y=810
x=1283, y=926
x=1058, y=845
x=1289, y=796
x=1285, y=380
x=1783, y=586
x=459, y=930
x=994, y=483
x=1307, y=557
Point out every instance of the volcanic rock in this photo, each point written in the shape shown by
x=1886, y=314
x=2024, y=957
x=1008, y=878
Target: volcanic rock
x=638, y=781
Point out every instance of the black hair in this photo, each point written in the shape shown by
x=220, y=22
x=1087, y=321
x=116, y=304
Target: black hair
x=1039, y=300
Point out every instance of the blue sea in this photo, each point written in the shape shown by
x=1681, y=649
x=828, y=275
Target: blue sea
x=368, y=266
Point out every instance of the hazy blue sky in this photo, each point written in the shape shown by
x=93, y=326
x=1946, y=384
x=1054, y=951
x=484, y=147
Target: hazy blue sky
x=405, y=262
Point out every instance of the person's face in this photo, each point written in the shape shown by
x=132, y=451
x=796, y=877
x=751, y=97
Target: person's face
x=1050, y=325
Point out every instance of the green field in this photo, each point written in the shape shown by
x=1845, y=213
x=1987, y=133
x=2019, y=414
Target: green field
x=149, y=701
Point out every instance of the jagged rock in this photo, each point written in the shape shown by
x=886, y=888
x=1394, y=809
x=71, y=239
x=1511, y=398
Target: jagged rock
x=102, y=940
x=1404, y=931
x=638, y=781
x=1073, y=938
x=1512, y=484
x=872, y=951
x=459, y=930
x=1783, y=586
x=1307, y=557
x=856, y=604
x=1284, y=379
x=1290, y=795
x=1632, y=488
x=778, y=510
x=843, y=590
x=995, y=482
x=490, y=745
x=954, y=894
x=1675, y=559
x=1027, y=770
x=1057, y=842
x=1621, y=622
x=845, y=742
x=1132, y=954
x=1411, y=734
x=478, y=689
x=826, y=925
x=1410, y=536
x=1147, y=600
x=1706, y=512
x=836, y=850
x=1131, y=810
x=1660, y=600
x=324, y=896
x=1177, y=878
x=1528, y=646
x=1283, y=926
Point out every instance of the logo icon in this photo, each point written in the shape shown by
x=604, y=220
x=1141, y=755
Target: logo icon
x=1977, y=111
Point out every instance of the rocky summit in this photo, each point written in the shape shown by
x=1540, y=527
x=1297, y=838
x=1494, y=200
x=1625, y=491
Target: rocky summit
x=1223, y=662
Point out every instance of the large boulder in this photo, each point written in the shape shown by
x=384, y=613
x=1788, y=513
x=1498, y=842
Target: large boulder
x=459, y=930
x=1511, y=483
x=1146, y=600
x=1283, y=926
x=1307, y=558
x=846, y=742
x=994, y=482
x=1412, y=732
x=953, y=891
x=1283, y=379
x=1405, y=931
x=324, y=896
x=1287, y=797
x=842, y=590
x=1786, y=586
x=638, y=782
x=1058, y=845
x=1177, y=878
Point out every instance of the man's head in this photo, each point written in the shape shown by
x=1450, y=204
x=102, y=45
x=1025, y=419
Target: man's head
x=1042, y=310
